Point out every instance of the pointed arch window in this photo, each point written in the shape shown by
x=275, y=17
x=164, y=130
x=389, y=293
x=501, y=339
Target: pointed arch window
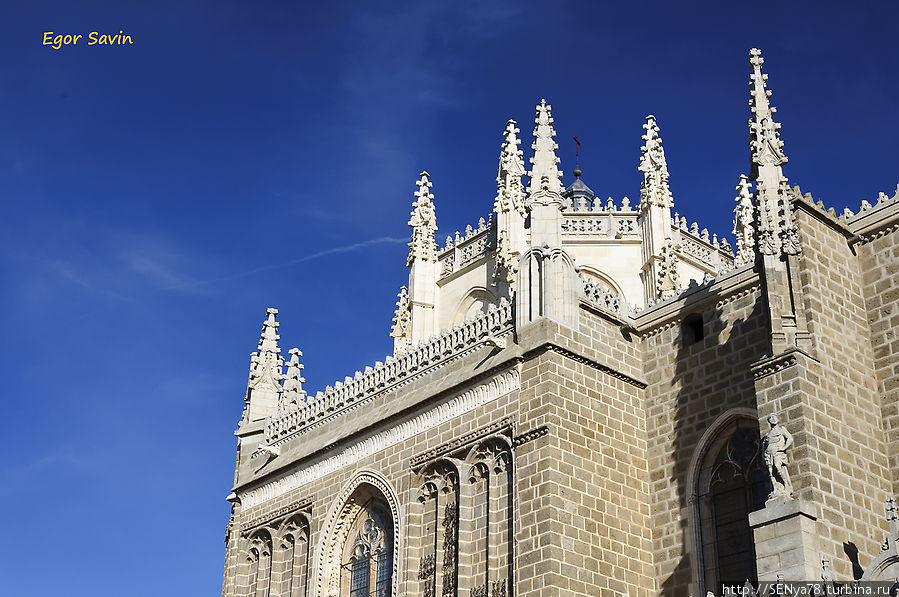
x=732, y=483
x=368, y=554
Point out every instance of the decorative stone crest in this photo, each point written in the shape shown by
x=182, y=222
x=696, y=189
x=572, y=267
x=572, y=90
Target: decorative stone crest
x=775, y=444
x=654, y=190
x=743, y=224
x=423, y=221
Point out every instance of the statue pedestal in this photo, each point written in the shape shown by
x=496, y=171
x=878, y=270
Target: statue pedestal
x=786, y=540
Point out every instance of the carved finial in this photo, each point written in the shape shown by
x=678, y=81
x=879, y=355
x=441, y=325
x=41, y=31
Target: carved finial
x=668, y=282
x=544, y=173
x=654, y=190
x=423, y=222
x=402, y=317
x=764, y=133
x=789, y=232
x=506, y=264
x=510, y=192
x=293, y=394
x=743, y=219
x=266, y=372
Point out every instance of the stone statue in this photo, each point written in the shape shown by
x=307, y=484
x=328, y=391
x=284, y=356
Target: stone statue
x=775, y=444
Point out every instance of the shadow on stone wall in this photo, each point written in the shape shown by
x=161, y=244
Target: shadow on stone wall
x=711, y=377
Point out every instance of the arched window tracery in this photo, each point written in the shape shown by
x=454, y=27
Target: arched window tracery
x=731, y=483
x=366, y=565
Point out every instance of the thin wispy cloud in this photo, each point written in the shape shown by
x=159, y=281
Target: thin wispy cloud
x=384, y=240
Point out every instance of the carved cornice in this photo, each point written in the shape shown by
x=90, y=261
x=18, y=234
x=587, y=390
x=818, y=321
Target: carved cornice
x=500, y=385
x=863, y=239
x=587, y=361
x=303, y=506
x=772, y=365
x=506, y=425
x=724, y=289
x=531, y=435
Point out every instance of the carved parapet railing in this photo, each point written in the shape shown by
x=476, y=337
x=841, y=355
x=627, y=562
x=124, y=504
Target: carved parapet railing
x=604, y=298
x=395, y=371
x=697, y=246
x=462, y=250
x=603, y=224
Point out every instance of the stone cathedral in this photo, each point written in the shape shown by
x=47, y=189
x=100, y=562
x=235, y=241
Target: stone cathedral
x=591, y=397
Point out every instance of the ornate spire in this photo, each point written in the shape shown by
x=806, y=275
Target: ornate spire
x=510, y=192
x=401, y=319
x=266, y=365
x=424, y=223
x=743, y=230
x=654, y=190
x=293, y=394
x=544, y=174
x=764, y=134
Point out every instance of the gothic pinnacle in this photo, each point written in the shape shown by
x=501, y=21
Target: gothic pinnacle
x=743, y=230
x=264, y=384
x=293, y=394
x=510, y=194
x=544, y=174
x=268, y=341
x=654, y=189
x=766, y=148
x=423, y=221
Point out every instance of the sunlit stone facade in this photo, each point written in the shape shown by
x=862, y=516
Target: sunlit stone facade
x=574, y=400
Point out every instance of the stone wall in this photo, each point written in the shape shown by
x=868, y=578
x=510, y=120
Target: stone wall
x=583, y=489
x=320, y=499
x=840, y=449
x=690, y=386
x=879, y=262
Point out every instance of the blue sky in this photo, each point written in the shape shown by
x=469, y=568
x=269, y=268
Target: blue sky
x=158, y=197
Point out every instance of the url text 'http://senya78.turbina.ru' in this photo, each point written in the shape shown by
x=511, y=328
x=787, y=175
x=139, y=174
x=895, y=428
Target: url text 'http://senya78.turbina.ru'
x=94, y=38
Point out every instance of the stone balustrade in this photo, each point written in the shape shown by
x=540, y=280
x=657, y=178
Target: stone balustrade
x=394, y=371
x=463, y=249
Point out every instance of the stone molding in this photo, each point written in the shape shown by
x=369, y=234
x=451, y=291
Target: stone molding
x=506, y=424
x=529, y=436
x=777, y=510
x=590, y=362
x=394, y=372
x=302, y=507
x=728, y=287
x=771, y=365
x=500, y=385
x=326, y=565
